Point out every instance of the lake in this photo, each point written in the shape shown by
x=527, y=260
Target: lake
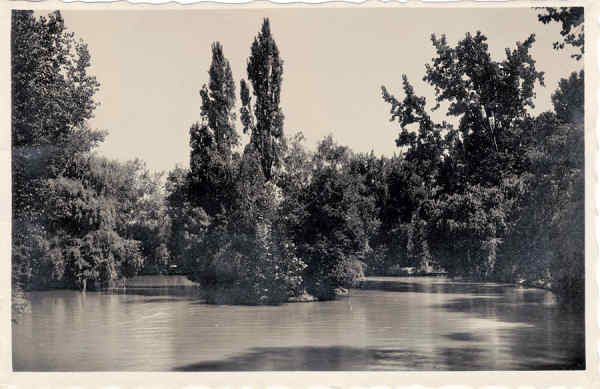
x=392, y=323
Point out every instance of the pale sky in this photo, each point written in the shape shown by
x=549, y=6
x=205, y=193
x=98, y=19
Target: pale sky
x=151, y=65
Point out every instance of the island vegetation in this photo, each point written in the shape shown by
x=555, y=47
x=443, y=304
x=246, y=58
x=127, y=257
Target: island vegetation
x=494, y=193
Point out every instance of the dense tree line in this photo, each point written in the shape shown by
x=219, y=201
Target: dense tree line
x=500, y=195
x=78, y=219
x=494, y=193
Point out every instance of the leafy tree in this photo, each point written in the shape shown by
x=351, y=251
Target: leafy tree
x=150, y=224
x=556, y=196
x=177, y=193
x=560, y=162
x=265, y=120
x=74, y=214
x=52, y=98
x=188, y=223
x=568, y=100
x=571, y=20
x=101, y=256
x=203, y=201
x=396, y=209
x=85, y=235
x=465, y=230
x=423, y=152
x=99, y=217
x=423, y=149
x=295, y=173
x=334, y=230
x=463, y=181
x=491, y=100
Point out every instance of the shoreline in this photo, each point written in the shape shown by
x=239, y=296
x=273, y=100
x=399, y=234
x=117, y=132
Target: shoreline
x=179, y=282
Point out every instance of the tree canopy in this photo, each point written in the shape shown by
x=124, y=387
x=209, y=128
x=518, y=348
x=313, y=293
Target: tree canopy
x=572, y=28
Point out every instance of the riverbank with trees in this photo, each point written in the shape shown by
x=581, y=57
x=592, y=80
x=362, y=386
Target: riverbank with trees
x=494, y=193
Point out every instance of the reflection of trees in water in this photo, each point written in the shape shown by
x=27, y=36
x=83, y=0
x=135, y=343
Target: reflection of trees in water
x=353, y=358
x=554, y=337
x=525, y=332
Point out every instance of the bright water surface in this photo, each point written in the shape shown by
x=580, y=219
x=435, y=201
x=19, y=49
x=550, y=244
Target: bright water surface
x=392, y=324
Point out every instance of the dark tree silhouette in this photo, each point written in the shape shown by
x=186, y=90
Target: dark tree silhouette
x=265, y=119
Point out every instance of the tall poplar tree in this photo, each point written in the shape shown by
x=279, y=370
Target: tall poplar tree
x=213, y=139
x=265, y=120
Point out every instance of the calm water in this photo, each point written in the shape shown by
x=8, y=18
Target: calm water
x=392, y=324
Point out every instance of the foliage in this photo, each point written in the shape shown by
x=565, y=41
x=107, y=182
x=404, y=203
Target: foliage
x=228, y=230
x=265, y=120
x=337, y=220
x=572, y=28
x=212, y=140
x=568, y=100
x=89, y=232
x=489, y=198
x=52, y=98
x=467, y=229
x=188, y=223
x=76, y=217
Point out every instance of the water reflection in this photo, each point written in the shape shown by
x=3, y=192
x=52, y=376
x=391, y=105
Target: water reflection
x=392, y=324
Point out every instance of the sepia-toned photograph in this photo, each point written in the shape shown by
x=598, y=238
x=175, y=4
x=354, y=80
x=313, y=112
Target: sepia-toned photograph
x=298, y=189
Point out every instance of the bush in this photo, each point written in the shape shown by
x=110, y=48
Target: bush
x=350, y=272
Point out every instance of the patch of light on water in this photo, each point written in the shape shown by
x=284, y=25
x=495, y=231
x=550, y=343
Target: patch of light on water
x=488, y=324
